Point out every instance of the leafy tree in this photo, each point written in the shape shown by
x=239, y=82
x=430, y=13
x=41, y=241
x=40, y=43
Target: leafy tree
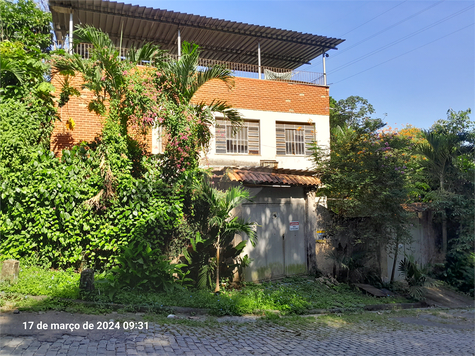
x=448, y=150
x=355, y=112
x=364, y=175
x=27, y=110
x=22, y=21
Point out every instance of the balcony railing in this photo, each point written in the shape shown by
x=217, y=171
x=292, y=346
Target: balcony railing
x=238, y=69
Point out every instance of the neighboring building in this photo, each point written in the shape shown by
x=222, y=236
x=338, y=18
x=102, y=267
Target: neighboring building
x=284, y=109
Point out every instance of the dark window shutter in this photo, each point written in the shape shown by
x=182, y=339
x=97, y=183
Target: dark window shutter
x=220, y=133
x=309, y=138
x=253, y=137
x=280, y=139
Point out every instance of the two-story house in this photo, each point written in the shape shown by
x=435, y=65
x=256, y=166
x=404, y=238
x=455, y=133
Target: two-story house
x=284, y=108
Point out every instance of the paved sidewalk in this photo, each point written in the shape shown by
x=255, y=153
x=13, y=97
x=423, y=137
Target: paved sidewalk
x=449, y=332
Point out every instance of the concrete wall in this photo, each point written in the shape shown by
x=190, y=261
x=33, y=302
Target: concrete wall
x=423, y=246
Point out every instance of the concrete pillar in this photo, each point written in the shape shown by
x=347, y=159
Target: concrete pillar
x=86, y=282
x=179, y=44
x=10, y=271
x=259, y=58
x=324, y=69
x=71, y=28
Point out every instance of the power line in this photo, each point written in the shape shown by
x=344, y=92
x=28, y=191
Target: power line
x=390, y=27
x=403, y=54
x=401, y=39
x=364, y=23
x=384, y=30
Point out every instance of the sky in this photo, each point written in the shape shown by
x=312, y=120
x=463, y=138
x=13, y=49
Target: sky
x=412, y=60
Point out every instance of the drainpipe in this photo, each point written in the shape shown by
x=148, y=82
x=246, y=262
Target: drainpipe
x=324, y=69
x=179, y=44
x=71, y=32
x=259, y=58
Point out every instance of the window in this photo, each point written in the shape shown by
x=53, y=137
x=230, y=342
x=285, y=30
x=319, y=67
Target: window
x=294, y=138
x=158, y=140
x=243, y=141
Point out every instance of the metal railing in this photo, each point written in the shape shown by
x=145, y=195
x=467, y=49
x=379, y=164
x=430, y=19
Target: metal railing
x=238, y=69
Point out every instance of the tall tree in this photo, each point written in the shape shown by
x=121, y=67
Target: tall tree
x=184, y=77
x=448, y=151
x=22, y=21
x=363, y=176
x=354, y=112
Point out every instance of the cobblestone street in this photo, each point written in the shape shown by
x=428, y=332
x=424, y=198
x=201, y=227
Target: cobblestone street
x=450, y=332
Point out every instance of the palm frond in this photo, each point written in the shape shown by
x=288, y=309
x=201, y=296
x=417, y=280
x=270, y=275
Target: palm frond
x=70, y=64
x=149, y=53
x=216, y=72
x=94, y=36
x=9, y=66
x=226, y=110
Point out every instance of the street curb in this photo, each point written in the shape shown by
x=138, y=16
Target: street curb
x=372, y=307
x=201, y=311
x=142, y=308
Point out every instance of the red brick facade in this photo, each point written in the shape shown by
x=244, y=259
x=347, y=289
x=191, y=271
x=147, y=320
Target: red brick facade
x=265, y=95
x=88, y=125
x=253, y=94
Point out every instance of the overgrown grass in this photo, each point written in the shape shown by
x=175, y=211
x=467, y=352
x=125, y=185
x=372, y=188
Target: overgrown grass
x=298, y=295
x=35, y=281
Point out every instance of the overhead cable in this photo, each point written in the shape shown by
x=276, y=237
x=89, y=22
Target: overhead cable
x=403, y=54
x=401, y=39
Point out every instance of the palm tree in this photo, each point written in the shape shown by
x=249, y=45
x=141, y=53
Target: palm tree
x=222, y=225
x=103, y=72
x=184, y=77
x=440, y=150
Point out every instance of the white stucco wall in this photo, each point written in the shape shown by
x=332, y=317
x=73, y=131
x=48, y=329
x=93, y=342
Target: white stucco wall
x=267, y=149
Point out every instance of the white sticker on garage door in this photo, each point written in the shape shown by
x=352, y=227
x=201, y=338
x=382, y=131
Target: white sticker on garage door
x=294, y=226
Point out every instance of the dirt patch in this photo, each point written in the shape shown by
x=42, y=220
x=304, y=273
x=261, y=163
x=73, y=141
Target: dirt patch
x=443, y=297
x=448, y=319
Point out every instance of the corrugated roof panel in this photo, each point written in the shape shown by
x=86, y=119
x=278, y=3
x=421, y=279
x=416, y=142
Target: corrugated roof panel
x=221, y=39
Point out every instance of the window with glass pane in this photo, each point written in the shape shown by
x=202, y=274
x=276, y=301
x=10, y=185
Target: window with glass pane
x=294, y=142
x=236, y=142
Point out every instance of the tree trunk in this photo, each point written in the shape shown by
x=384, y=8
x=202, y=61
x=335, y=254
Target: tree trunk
x=444, y=234
x=394, y=262
x=217, y=267
x=444, y=220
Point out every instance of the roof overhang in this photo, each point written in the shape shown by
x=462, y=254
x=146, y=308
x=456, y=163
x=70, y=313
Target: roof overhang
x=218, y=39
x=268, y=176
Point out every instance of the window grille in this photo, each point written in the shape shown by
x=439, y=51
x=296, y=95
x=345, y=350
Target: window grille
x=294, y=138
x=244, y=141
x=236, y=142
x=294, y=142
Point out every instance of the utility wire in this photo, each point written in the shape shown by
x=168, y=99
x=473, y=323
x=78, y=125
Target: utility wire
x=389, y=27
x=403, y=54
x=401, y=39
x=384, y=30
x=364, y=23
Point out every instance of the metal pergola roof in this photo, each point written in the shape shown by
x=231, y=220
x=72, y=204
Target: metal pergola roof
x=218, y=39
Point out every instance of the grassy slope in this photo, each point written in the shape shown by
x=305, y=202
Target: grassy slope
x=290, y=296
